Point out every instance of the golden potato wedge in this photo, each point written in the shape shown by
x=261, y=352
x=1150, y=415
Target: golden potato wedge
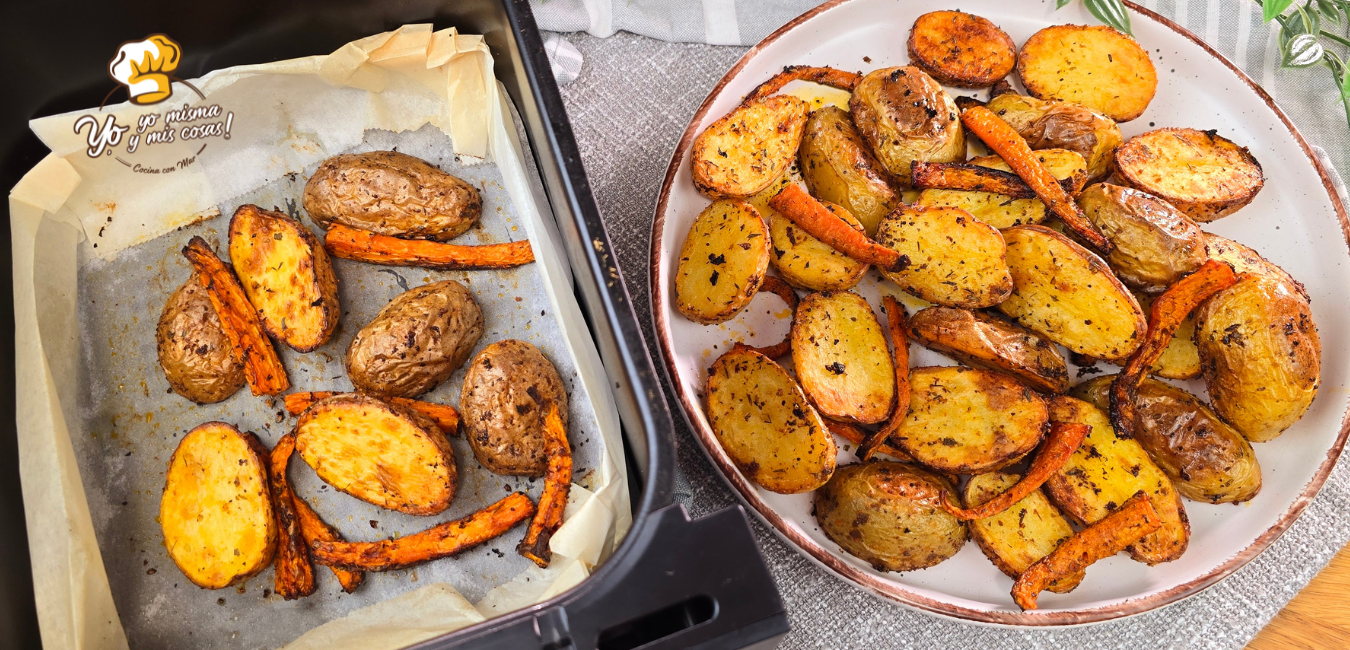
x=954, y=259
x=1154, y=244
x=216, y=510
x=808, y=263
x=1067, y=294
x=904, y=115
x=839, y=353
x=967, y=421
x=887, y=515
x=1246, y=260
x=1107, y=470
x=1021, y=535
x=378, y=452
x=194, y=352
x=1201, y=173
x=286, y=275
x=961, y=49
x=722, y=263
x=1051, y=124
x=1002, y=211
x=839, y=168
x=764, y=423
x=988, y=341
x=749, y=148
x=1096, y=66
x=1260, y=355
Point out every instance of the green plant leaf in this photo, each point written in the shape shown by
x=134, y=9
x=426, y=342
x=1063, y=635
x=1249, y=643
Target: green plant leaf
x=1060, y=4
x=1112, y=12
x=1272, y=8
x=1303, y=50
x=1329, y=10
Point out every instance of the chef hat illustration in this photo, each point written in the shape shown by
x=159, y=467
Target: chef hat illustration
x=144, y=67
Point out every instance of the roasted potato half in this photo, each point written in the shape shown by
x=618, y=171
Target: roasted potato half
x=988, y=341
x=1105, y=471
x=416, y=342
x=839, y=168
x=1155, y=244
x=953, y=258
x=961, y=49
x=507, y=392
x=722, y=263
x=1067, y=294
x=1260, y=355
x=1051, y=124
x=904, y=115
x=1096, y=66
x=749, y=148
x=1207, y=459
x=378, y=452
x=1002, y=211
x=394, y=194
x=1201, y=173
x=808, y=263
x=194, y=352
x=216, y=510
x=1181, y=359
x=764, y=423
x=1021, y=535
x=1246, y=260
x=839, y=353
x=968, y=421
x=286, y=275
x=888, y=515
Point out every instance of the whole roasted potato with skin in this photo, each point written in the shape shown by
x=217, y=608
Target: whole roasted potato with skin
x=194, y=352
x=1155, y=244
x=904, y=115
x=507, y=392
x=416, y=342
x=839, y=168
x=889, y=515
x=1052, y=124
x=390, y=193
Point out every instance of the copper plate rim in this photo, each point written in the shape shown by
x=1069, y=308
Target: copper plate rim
x=891, y=590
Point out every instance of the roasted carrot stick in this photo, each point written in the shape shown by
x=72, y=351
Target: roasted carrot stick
x=1063, y=440
x=365, y=246
x=294, y=574
x=1103, y=539
x=444, y=415
x=557, y=483
x=780, y=288
x=1010, y=146
x=896, y=320
x=239, y=320
x=804, y=210
x=974, y=178
x=858, y=437
x=314, y=529
x=439, y=541
x=1167, y=313
x=826, y=76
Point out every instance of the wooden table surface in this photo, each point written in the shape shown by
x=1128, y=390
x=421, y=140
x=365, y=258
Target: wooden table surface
x=1318, y=618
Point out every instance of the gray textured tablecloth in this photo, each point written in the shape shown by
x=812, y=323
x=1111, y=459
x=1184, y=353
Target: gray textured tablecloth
x=628, y=106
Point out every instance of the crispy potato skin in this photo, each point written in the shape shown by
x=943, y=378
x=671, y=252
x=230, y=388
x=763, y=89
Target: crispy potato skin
x=1260, y=355
x=888, y=515
x=194, y=352
x=954, y=258
x=808, y=263
x=1155, y=245
x=749, y=148
x=764, y=423
x=507, y=392
x=1096, y=66
x=286, y=275
x=1051, y=124
x=1201, y=173
x=960, y=49
x=839, y=353
x=216, y=510
x=1002, y=211
x=968, y=421
x=1207, y=459
x=1107, y=470
x=839, y=168
x=904, y=115
x=988, y=341
x=1246, y=260
x=390, y=193
x=416, y=342
x=1067, y=294
x=1021, y=535
x=722, y=263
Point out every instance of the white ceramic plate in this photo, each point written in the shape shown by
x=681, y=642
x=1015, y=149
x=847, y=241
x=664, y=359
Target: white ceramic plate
x=1296, y=221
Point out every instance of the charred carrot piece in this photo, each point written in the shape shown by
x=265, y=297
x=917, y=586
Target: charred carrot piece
x=444, y=540
x=365, y=246
x=804, y=210
x=1166, y=315
x=974, y=178
x=1009, y=145
x=313, y=528
x=444, y=415
x=858, y=437
x=781, y=289
x=294, y=574
x=896, y=319
x=1063, y=440
x=825, y=76
x=557, y=483
x=1109, y=536
x=239, y=320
